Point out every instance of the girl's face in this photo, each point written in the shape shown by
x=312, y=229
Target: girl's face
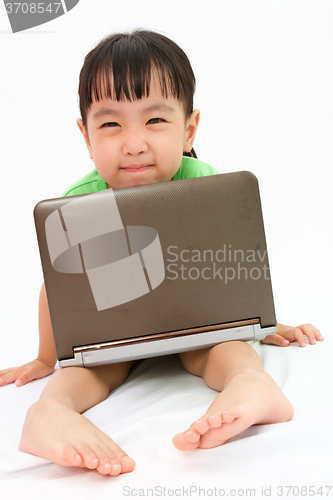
x=138, y=142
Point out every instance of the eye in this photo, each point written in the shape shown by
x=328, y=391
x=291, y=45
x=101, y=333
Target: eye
x=155, y=120
x=110, y=124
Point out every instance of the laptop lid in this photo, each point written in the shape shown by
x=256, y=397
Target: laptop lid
x=154, y=269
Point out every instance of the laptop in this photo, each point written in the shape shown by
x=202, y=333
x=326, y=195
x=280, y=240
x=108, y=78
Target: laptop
x=155, y=269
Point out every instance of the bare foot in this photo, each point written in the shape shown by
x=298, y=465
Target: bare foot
x=249, y=398
x=56, y=432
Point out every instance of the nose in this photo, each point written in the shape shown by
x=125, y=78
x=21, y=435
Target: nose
x=134, y=143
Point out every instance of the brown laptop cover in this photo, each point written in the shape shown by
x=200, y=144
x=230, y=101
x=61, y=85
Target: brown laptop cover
x=207, y=263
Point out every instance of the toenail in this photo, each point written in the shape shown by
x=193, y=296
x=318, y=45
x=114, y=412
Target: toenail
x=95, y=460
x=117, y=467
x=127, y=458
x=107, y=466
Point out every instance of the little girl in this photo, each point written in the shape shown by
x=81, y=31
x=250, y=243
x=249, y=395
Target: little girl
x=138, y=122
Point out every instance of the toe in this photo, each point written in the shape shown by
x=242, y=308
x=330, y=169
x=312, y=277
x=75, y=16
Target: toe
x=118, y=456
x=127, y=464
x=67, y=455
x=115, y=468
x=202, y=425
x=113, y=460
x=89, y=457
x=182, y=444
x=192, y=436
x=105, y=461
x=104, y=467
x=230, y=414
x=215, y=420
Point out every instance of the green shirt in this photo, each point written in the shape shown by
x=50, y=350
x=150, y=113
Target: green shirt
x=93, y=182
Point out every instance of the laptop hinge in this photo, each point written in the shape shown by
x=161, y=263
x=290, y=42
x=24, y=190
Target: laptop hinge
x=166, y=335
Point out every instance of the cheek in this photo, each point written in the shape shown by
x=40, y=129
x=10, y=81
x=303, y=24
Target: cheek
x=103, y=149
x=172, y=143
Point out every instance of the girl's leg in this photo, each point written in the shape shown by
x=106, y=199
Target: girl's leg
x=247, y=395
x=55, y=429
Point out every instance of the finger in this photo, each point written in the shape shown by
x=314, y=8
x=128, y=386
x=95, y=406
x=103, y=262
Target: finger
x=293, y=333
x=23, y=379
x=29, y=376
x=312, y=333
x=307, y=330
x=8, y=370
x=8, y=378
x=275, y=339
x=297, y=335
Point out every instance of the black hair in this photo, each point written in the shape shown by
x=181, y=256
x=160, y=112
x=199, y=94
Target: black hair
x=121, y=65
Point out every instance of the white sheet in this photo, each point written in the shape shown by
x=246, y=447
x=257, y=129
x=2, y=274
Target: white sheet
x=160, y=399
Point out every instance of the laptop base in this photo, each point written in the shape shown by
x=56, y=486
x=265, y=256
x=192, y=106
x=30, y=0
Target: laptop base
x=101, y=354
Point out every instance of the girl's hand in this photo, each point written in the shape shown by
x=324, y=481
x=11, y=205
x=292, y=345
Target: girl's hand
x=286, y=334
x=34, y=370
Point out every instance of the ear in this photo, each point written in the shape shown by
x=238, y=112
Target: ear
x=191, y=130
x=84, y=132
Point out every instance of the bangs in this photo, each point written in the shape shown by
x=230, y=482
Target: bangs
x=121, y=68
x=122, y=82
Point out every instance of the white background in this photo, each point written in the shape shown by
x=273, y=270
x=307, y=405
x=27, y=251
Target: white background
x=264, y=73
